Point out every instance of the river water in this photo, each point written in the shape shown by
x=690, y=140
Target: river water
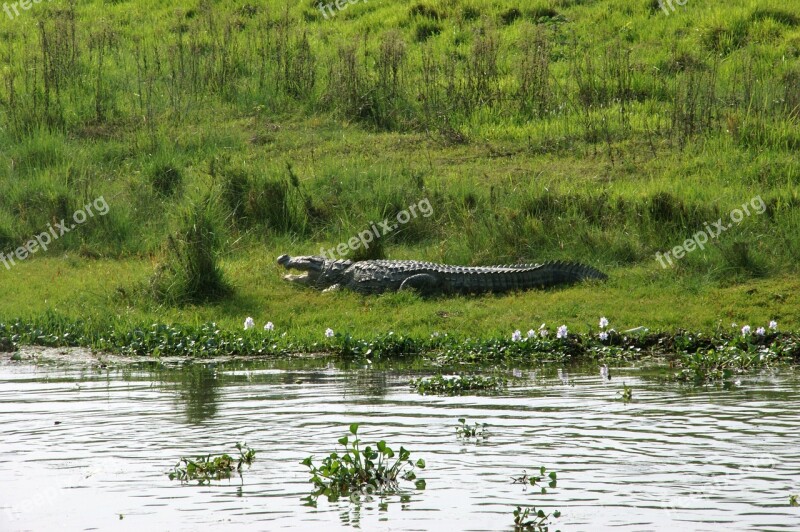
x=89, y=448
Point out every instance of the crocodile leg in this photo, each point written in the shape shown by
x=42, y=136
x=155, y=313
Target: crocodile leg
x=424, y=283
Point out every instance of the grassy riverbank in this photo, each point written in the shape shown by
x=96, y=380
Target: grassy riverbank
x=602, y=132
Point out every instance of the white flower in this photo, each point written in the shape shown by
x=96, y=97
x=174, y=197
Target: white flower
x=562, y=332
x=329, y=333
x=269, y=326
x=517, y=336
x=543, y=330
x=603, y=336
x=531, y=333
x=249, y=323
x=435, y=335
x=745, y=330
x=760, y=331
x=773, y=325
x=603, y=323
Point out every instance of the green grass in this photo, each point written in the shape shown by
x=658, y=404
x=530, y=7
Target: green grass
x=602, y=132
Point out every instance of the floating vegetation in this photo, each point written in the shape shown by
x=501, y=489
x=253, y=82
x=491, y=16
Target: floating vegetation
x=536, y=480
x=723, y=363
x=477, y=430
x=533, y=519
x=457, y=384
x=369, y=471
x=626, y=393
x=204, y=469
x=699, y=358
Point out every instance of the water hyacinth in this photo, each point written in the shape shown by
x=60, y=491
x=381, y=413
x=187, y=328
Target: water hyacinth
x=543, y=331
x=760, y=331
x=249, y=323
x=603, y=322
x=517, y=336
x=773, y=325
x=603, y=336
x=561, y=332
x=531, y=333
x=329, y=333
x=745, y=330
x=269, y=326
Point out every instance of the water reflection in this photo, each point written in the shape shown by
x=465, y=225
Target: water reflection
x=198, y=391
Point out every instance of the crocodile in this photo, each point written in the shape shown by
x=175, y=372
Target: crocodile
x=428, y=278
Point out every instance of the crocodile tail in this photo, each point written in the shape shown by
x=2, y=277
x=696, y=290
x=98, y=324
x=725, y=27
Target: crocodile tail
x=571, y=272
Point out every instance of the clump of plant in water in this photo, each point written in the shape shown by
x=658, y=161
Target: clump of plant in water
x=368, y=470
x=477, y=430
x=626, y=393
x=723, y=363
x=536, y=480
x=204, y=469
x=457, y=384
x=533, y=519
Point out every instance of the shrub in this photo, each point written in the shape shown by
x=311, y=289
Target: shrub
x=189, y=271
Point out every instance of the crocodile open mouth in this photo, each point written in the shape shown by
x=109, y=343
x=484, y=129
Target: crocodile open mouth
x=310, y=267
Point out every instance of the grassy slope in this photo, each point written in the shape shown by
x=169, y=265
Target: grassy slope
x=522, y=188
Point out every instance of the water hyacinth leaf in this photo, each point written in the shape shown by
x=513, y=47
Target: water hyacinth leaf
x=354, y=428
x=552, y=475
x=557, y=513
x=420, y=484
x=343, y=440
x=552, y=484
x=421, y=463
x=381, y=446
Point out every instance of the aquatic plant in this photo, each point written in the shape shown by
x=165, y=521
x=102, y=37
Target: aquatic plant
x=204, y=469
x=457, y=384
x=793, y=500
x=532, y=519
x=722, y=363
x=626, y=393
x=371, y=470
x=536, y=480
x=478, y=430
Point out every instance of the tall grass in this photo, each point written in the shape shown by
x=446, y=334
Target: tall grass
x=563, y=130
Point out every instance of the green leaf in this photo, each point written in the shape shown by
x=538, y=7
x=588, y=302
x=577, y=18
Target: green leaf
x=420, y=484
x=462, y=420
x=354, y=428
x=552, y=475
x=343, y=440
x=381, y=445
x=557, y=514
x=421, y=463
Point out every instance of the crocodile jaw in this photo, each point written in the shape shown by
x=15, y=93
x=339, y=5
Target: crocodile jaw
x=309, y=265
